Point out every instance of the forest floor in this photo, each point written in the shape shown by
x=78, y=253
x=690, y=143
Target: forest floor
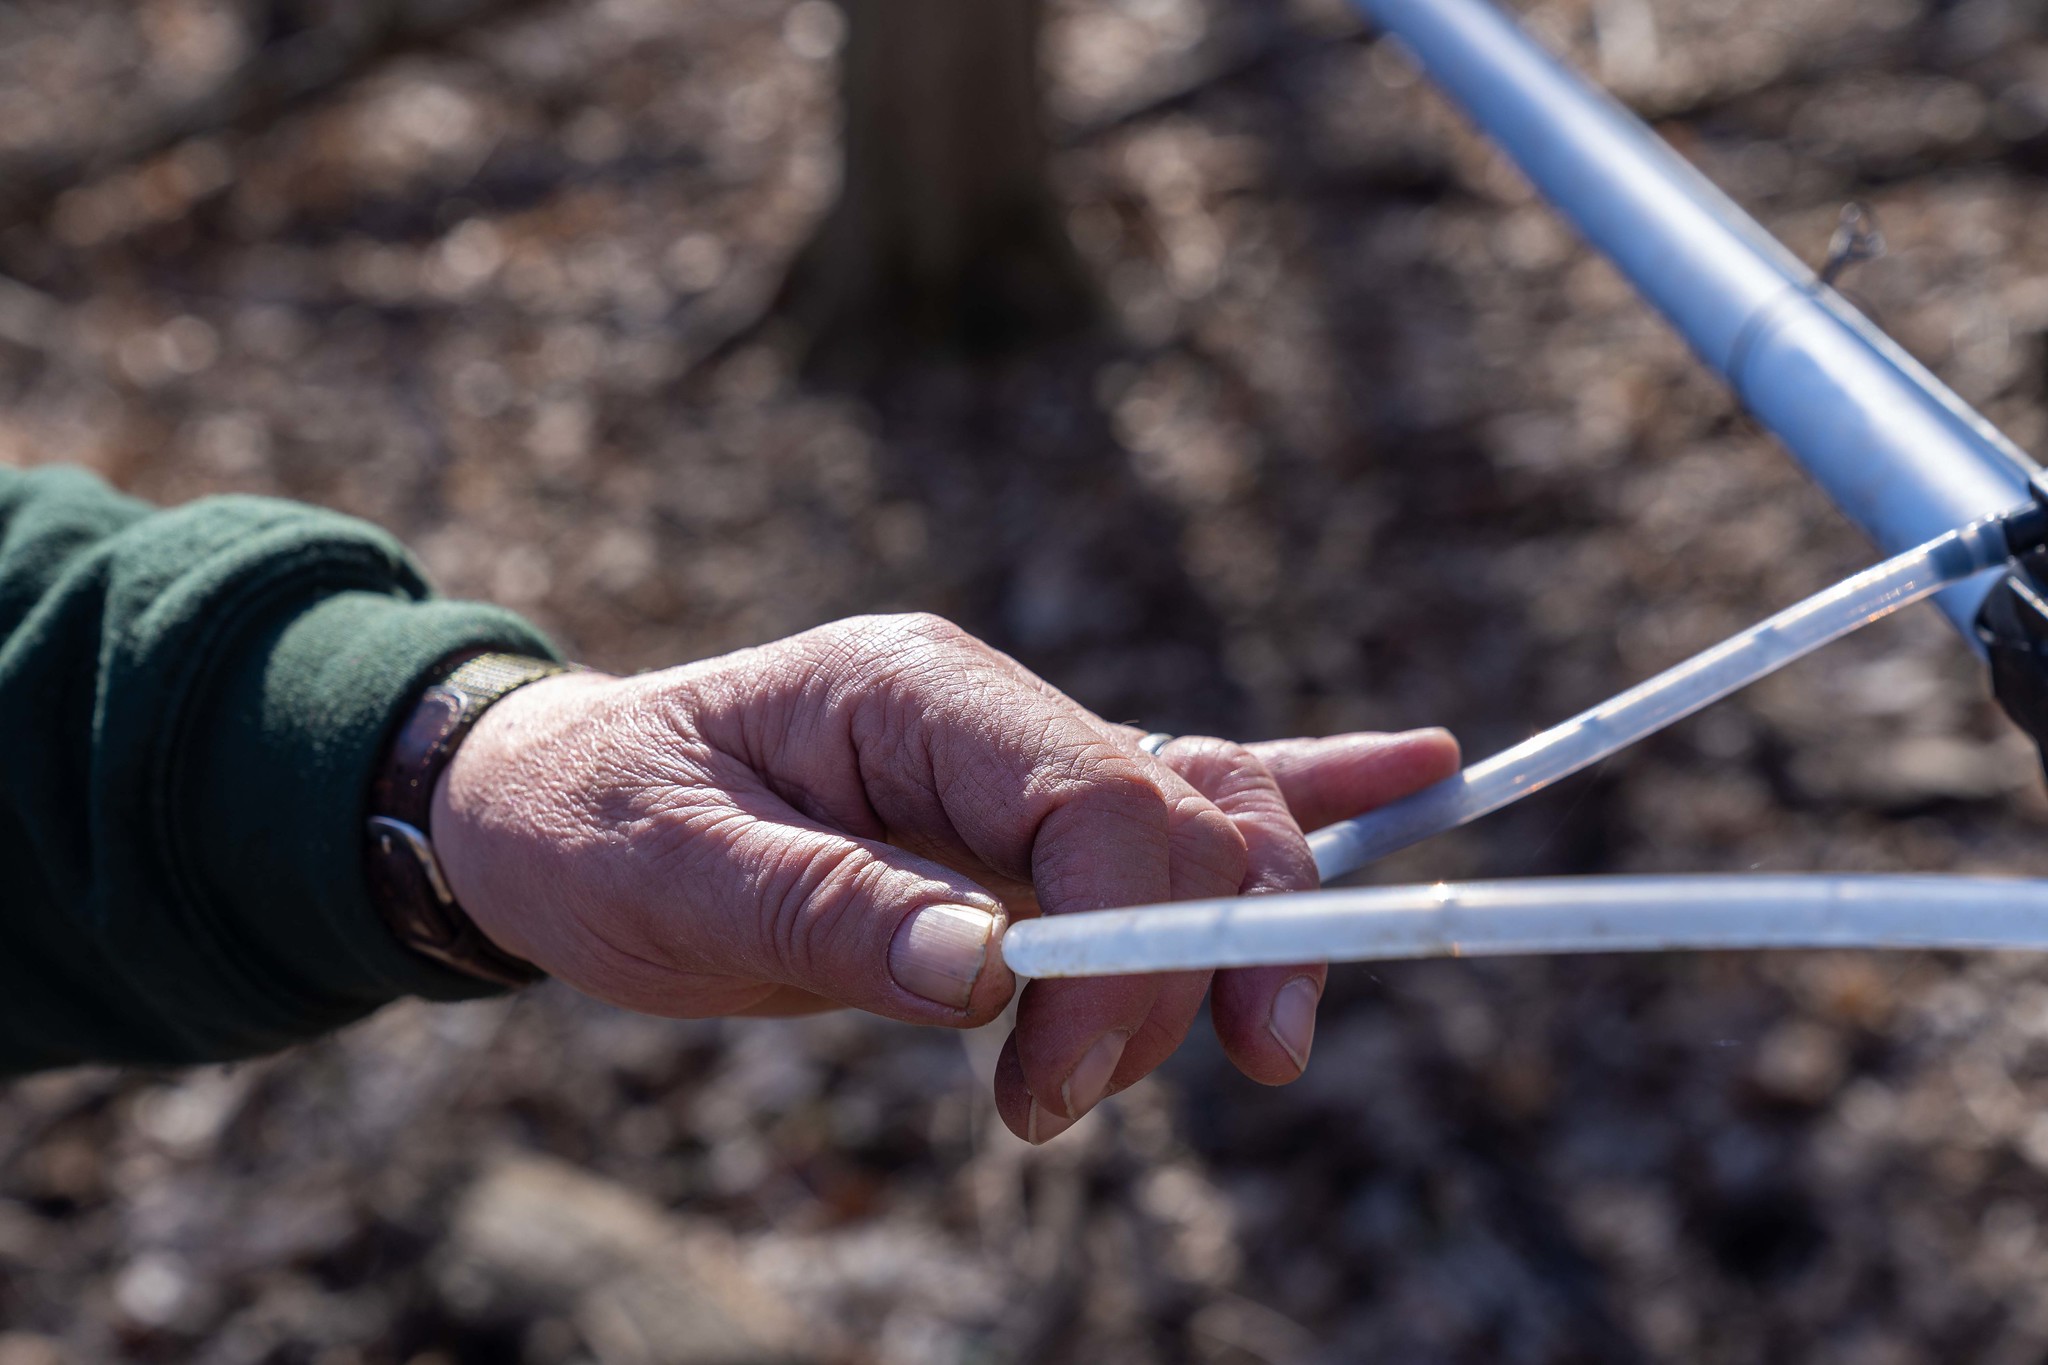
x=1377, y=445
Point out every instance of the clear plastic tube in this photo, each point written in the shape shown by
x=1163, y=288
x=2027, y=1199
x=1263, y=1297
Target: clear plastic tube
x=1672, y=695
x=1541, y=915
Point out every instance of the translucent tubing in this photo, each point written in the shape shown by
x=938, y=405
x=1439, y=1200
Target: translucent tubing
x=1542, y=915
x=1672, y=695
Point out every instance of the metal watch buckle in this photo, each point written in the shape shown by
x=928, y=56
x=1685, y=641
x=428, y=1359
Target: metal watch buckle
x=422, y=850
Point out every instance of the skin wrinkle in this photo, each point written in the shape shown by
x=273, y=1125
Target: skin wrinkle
x=838, y=883
x=1009, y=855
x=1050, y=870
x=804, y=907
x=1087, y=771
x=658, y=993
x=1017, y=856
x=665, y=938
x=851, y=809
x=673, y=824
x=929, y=794
x=647, y=812
x=868, y=653
x=850, y=713
x=884, y=745
x=836, y=809
x=691, y=834
x=1242, y=787
x=1214, y=853
x=680, y=952
x=803, y=900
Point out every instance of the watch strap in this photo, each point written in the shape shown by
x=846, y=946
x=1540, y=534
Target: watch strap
x=406, y=881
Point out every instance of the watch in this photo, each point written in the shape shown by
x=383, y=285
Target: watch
x=407, y=884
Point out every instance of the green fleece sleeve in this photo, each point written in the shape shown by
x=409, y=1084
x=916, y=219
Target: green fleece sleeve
x=191, y=704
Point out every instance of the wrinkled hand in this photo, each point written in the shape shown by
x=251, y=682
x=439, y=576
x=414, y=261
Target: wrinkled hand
x=851, y=815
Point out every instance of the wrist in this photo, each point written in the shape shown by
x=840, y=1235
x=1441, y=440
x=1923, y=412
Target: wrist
x=402, y=861
x=493, y=810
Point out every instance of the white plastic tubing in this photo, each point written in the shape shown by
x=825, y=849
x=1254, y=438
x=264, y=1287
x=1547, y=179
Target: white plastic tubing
x=1580, y=914
x=1677, y=692
x=1897, y=451
x=1541, y=915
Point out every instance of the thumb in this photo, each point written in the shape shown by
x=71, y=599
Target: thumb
x=852, y=920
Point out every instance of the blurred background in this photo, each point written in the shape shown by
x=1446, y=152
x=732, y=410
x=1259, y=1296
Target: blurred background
x=1194, y=352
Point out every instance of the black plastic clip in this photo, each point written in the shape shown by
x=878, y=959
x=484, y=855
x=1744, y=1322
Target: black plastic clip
x=2013, y=622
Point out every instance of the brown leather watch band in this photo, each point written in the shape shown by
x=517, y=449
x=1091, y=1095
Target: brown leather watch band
x=405, y=877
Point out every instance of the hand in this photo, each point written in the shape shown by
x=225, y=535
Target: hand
x=850, y=817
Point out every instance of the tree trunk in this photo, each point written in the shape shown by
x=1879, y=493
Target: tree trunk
x=946, y=236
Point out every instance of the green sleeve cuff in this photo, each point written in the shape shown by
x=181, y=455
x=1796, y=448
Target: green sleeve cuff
x=196, y=699
x=280, y=782
x=245, y=703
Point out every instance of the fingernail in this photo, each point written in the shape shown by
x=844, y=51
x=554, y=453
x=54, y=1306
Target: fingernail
x=1088, y=1082
x=1426, y=732
x=939, y=954
x=1293, y=1021
x=1042, y=1125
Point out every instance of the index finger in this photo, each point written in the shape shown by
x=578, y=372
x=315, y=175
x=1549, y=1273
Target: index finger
x=958, y=757
x=1264, y=1016
x=1336, y=778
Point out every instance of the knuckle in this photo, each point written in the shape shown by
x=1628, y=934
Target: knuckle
x=1211, y=844
x=843, y=645
x=912, y=675
x=1082, y=803
x=818, y=888
x=1219, y=765
x=1102, y=783
x=1246, y=765
x=877, y=638
x=913, y=651
x=928, y=626
x=911, y=629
